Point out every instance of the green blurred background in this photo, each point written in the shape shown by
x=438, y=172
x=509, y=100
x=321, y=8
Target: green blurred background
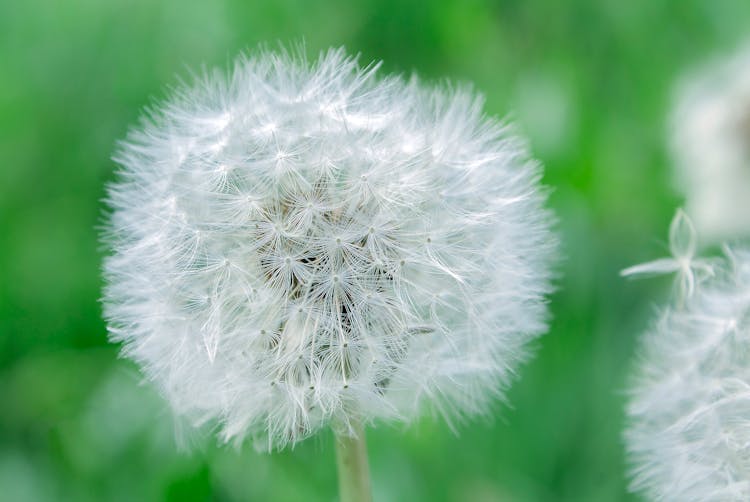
x=588, y=81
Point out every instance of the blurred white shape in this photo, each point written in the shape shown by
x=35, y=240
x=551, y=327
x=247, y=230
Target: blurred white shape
x=710, y=142
x=544, y=110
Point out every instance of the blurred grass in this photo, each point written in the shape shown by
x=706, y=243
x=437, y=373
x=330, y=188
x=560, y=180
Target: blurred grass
x=588, y=82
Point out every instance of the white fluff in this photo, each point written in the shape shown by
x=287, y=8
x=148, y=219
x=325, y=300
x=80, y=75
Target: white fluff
x=299, y=244
x=689, y=412
x=711, y=147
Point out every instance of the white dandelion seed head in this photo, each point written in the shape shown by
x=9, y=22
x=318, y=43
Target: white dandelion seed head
x=711, y=146
x=689, y=412
x=298, y=244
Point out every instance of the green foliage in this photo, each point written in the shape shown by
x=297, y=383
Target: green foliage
x=588, y=81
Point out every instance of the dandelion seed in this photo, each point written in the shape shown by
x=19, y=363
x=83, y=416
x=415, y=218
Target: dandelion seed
x=682, y=244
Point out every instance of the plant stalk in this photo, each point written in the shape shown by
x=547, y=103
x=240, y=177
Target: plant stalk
x=353, y=468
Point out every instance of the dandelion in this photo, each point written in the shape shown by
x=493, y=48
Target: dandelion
x=297, y=245
x=688, y=436
x=711, y=146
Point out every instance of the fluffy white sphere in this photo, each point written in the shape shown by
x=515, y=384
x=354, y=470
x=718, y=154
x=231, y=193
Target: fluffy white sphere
x=711, y=146
x=689, y=412
x=296, y=244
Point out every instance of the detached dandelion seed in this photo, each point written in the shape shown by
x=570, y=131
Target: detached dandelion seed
x=296, y=245
x=690, y=269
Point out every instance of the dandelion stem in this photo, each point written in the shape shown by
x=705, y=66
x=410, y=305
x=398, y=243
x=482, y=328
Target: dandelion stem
x=354, y=472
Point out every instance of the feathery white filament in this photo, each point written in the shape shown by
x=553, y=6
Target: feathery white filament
x=689, y=412
x=296, y=244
